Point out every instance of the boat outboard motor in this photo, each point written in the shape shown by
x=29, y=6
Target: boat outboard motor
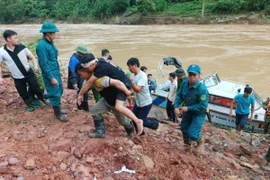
x=172, y=61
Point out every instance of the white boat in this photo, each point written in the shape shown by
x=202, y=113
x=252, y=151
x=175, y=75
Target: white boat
x=221, y=94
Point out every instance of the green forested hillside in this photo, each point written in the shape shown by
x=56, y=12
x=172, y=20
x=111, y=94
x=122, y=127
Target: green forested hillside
x=75, y=11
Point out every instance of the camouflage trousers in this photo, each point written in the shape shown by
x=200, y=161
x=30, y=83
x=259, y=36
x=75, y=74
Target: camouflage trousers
x=266, y=125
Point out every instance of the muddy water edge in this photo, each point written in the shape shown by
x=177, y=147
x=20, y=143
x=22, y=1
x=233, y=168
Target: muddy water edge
x=237, y=52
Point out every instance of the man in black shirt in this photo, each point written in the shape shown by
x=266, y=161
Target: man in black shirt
x=107, y=89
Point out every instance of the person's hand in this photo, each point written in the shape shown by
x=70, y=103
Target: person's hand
x=176, y=112
x=79, y=99
x=230, y=114
x=54, y=82
x=183, y=109
x=36, y=69
x=2, y=81
x=250, y=119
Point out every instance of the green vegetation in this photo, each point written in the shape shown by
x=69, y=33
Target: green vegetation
x=19, y=11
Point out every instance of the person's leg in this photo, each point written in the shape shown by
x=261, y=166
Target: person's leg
x=243, y=121
x=194, y=132
x=237, y=121
x=184, y=126
x=21, y=87
x=168, y=109
x=266, y=125
x=97, y=111
x=34, y=86
x=123, y=120
x=120, y=107
x=141, y=113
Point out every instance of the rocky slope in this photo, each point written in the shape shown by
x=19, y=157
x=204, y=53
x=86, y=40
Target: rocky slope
x=35, y=146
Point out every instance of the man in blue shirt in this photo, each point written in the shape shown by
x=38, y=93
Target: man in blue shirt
x=74, y=81
x=191, y=101
x=242, y=110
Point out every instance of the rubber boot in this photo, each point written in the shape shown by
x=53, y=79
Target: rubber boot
x=58, y=114
x=187, y=143
x=100, y=129
x=85, y=106
x=63, y=111
x=200, y=147
x=130, y=130
x=30, y=103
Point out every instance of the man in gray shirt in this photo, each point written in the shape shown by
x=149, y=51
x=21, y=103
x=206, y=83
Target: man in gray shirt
x=143, y=100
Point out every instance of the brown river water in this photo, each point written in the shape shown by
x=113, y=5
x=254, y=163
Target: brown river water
x=237, y=52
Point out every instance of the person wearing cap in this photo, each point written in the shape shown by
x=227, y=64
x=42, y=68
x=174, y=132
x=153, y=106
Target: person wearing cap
x=181, y=76
x=48, y=61
x=191, y=101
x=16, y=57
x=75, y=82
x=243, y=103
x=100, y=68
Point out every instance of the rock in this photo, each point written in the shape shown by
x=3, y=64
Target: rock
x=90, y=160
x=20, y=178
x=3, y=102
x=63, y=145
x=4, y=170
x=3, y=164
x=46, y=177
x=148, y=162
x=63, y=166
x=131, y=143
x=85, y=129
x=77, y=153
x=13, y=161
x=255, y=141
x=243, y=158
x=63, y=155
x=30, y=164
x=246, y=150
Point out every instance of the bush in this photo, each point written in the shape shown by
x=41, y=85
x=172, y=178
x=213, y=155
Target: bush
x=105, y=8
x=228, y=6
x=145, y=6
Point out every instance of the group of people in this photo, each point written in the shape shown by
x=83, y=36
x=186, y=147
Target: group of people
x=187, y=97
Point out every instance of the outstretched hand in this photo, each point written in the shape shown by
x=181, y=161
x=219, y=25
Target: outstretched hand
x=79, y=99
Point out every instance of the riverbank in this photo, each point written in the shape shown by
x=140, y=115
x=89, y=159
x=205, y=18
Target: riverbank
x=144, y=19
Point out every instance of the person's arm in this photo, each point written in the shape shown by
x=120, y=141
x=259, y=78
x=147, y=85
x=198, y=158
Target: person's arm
x=35, y=63
x=231, y=107
x=252, y=112
x=120, y=86
x=136, y=88
x=86, y=86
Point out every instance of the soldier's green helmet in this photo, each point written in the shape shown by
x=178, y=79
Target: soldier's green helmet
x=48, y=27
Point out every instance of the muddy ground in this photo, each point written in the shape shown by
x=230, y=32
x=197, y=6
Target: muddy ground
x=35, y=145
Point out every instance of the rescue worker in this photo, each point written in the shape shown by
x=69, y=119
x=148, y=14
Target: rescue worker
x=107, y=88
x=48, y=61
x=266, y=125
x=75, y=82
x=181, y=76
x=191, y=101
x=16, y=57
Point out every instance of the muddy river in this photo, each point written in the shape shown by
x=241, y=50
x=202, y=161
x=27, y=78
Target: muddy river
x=237, y=52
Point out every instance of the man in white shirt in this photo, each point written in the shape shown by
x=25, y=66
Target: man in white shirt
x=143, y=100
x=170, y=98
x=16, y=57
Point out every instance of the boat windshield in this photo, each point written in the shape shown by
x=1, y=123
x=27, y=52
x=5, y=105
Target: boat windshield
x=221, y=101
